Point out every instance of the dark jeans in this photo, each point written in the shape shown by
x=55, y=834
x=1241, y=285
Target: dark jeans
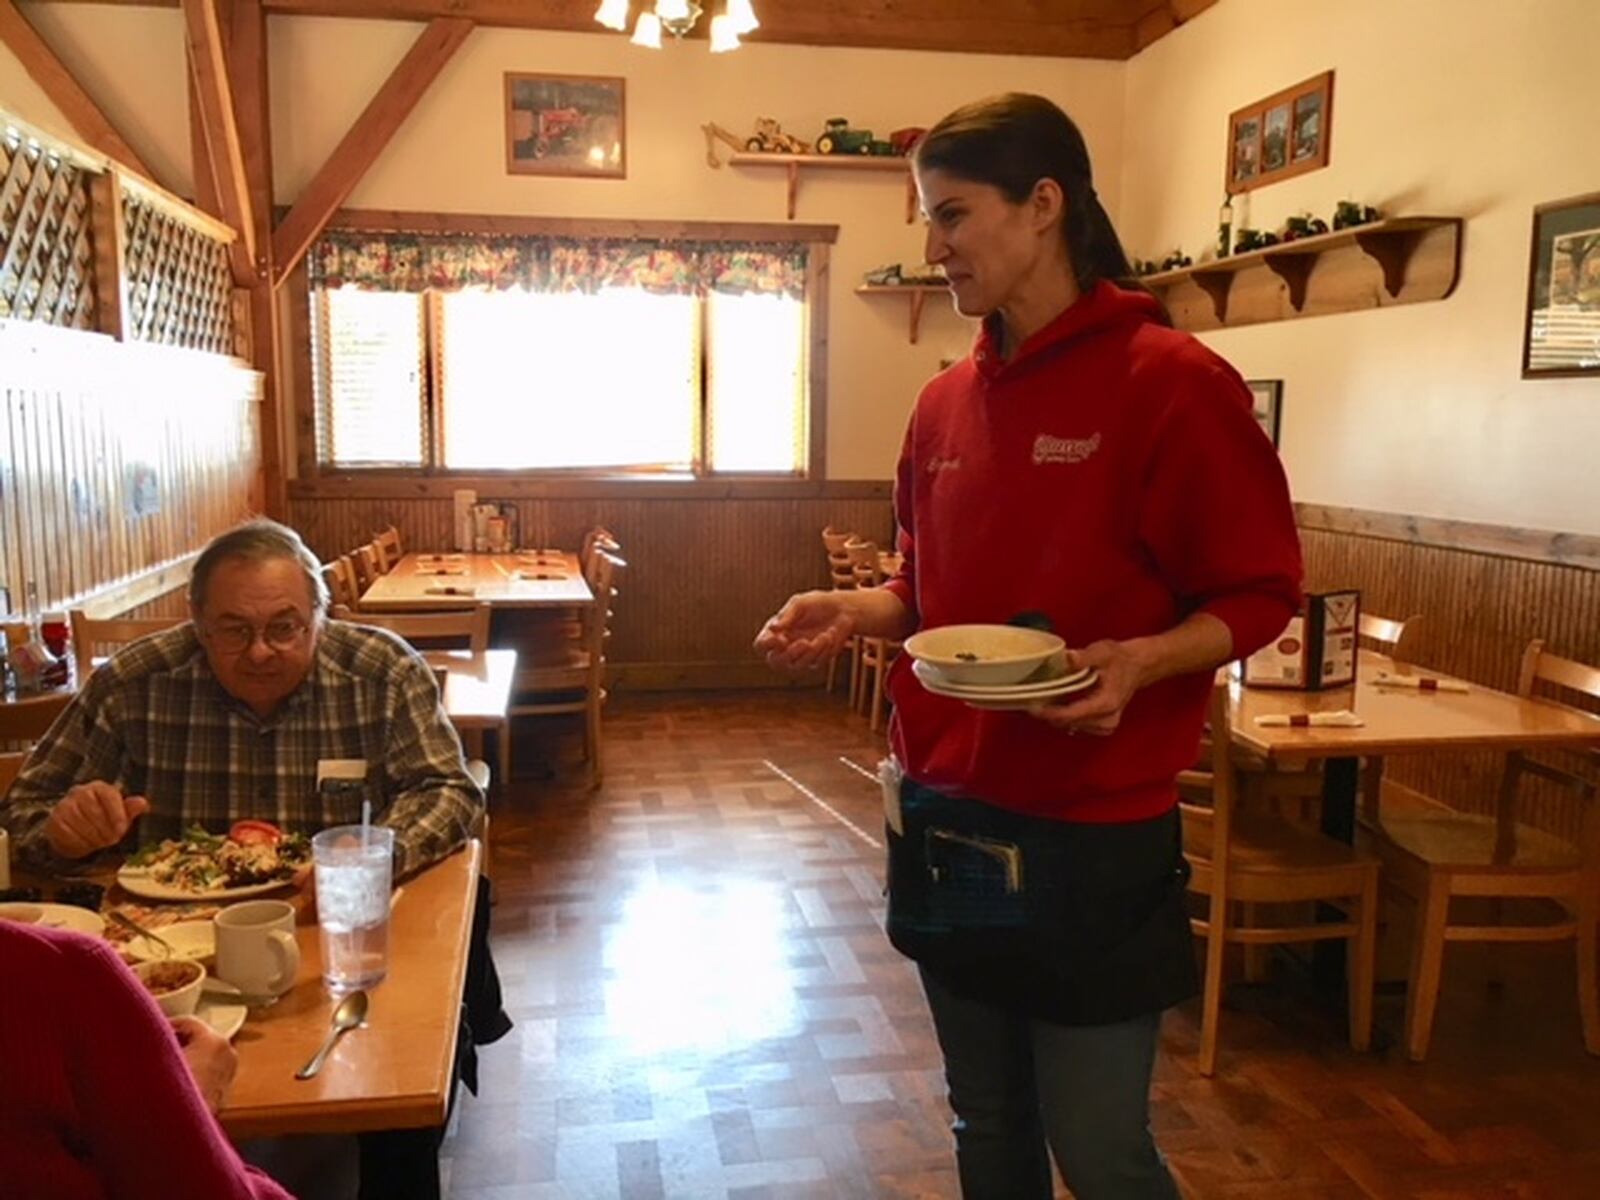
x=1019, y=1084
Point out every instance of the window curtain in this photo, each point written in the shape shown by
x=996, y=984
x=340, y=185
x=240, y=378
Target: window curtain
x=405, y=262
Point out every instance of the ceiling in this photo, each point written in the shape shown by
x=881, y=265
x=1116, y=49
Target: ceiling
x=1109, y=29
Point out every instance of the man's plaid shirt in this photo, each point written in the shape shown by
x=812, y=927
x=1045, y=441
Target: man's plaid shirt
x=155, y=722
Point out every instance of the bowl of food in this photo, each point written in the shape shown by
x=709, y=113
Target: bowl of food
x=984, y=654
x=174, y=982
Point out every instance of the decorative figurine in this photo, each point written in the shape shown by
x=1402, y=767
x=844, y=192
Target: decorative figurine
x=1225, y=225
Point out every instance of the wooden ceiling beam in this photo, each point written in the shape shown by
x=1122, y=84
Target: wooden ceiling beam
x=208, y=65
x=365, y=140
x=1108, y=29
x=57, y=82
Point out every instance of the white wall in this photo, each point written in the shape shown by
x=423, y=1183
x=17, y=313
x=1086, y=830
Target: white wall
x=1472, y=108
x=449, y=155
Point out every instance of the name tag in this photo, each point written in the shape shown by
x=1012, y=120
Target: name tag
x=341, y=769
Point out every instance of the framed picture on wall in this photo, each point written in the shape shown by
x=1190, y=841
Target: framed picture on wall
x=1561, y=335
x=566, y=125
x=1266, y=397
x=1281, y=136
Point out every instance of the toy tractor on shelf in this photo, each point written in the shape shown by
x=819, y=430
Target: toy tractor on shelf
x=838, y=138
x=769, y=138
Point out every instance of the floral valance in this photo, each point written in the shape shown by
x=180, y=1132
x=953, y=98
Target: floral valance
x=405, y=262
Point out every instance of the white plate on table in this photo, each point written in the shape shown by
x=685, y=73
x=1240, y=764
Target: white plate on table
x=195, y=940
x=1007, y=697
x=54, y=916
x=136, y=881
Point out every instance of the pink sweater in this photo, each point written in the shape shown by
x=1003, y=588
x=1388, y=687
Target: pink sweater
x=95, y=1097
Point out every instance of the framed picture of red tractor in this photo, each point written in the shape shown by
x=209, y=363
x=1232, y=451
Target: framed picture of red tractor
x=566, y=125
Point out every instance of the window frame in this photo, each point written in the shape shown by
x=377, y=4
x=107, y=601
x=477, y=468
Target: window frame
x=316, y=478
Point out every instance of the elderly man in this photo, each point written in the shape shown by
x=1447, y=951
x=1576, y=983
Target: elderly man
x=258, y=707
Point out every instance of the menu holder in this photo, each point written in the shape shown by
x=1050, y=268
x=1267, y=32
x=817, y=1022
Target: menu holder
x=1317, y=650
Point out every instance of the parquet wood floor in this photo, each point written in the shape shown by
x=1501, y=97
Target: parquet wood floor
x=707, y=1008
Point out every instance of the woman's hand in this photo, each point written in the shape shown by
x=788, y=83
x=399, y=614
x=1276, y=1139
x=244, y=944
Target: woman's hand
x=211, y=1058
x=1099, y=710
x=807, y=631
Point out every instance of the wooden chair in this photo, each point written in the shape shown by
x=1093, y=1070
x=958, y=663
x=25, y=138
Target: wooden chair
x=1256, y=858
x=842, y=577
x=386, y=546
x=365, y=561
x=24, y=721
x=875, y=655
x=1389, y=636
x=340, y=576
x=1433, y=858
x=571, y=679
x=457, y=629
x=97, y=639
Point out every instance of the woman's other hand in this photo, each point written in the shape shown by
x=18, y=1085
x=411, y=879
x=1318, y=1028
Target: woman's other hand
x=211, y=1058
x=807, y=631
x=1098, y=710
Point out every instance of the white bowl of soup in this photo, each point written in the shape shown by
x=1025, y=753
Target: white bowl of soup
x=984, y=655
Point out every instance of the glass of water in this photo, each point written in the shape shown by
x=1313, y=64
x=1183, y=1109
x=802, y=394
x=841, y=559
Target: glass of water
x=354, y=869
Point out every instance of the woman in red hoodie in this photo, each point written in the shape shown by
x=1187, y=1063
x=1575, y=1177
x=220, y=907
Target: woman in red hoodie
x=1089, y=466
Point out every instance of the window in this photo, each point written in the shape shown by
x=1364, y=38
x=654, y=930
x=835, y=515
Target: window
x=622, y=379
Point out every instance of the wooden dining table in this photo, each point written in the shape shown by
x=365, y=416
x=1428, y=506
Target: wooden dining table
x=395, y=1071
x=477, y=696
x=550, y=579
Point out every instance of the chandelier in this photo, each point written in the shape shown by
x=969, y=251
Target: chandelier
x=678, y=17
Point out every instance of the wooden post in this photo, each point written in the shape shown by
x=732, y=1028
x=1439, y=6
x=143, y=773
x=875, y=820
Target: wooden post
x=110, y=254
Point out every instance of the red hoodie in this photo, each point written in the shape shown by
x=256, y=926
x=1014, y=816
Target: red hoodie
x=1112, y=477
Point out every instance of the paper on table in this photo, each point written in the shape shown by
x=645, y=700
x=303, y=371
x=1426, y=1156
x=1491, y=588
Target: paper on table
x=1342, y=718
x=1422, y=683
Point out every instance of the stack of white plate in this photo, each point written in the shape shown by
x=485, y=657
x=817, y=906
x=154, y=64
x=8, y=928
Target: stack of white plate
x=1041, y=687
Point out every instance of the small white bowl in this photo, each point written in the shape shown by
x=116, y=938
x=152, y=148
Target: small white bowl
x=984, y=654
x=180, y=1001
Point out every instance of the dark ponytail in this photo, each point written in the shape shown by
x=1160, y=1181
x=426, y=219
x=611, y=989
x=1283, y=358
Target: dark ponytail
x=1013, y=141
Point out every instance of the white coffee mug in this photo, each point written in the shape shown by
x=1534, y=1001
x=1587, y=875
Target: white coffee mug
x=256, y=948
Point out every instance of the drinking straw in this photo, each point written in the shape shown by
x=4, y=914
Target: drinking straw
x=366, y=821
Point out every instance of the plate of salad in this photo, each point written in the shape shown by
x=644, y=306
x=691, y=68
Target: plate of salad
x=252, y=858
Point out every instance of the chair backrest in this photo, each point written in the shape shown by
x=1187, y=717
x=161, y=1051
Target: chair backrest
x=834, y=541
x=10, y=768
x=23, y=722
x=92, y=639
x=387, y=546
x=597, y=621
x=458, y=629
x=597, y=541
x=1389, y=636
x=1206, y=798
x=863, y=557
x=340, y=577
x=365, y=561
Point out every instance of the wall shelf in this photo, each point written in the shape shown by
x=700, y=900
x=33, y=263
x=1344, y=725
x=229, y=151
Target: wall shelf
x=918, y=293
x=1400, y=261
x=793, y=164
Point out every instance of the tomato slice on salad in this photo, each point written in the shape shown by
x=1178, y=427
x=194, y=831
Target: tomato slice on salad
x=254, y=833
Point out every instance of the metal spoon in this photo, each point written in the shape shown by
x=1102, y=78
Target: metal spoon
x=351, y=1012
x=149, y=935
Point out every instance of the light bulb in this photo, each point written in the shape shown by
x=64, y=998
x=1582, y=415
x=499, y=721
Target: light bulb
x=742, y=16
x=613, y=14
x=647, y=31
x=672, y=10
x=723, y=35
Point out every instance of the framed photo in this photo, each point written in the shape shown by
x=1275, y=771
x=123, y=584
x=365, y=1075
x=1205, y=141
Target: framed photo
x=1281, y=136
x=1266, y=397
x=1561, y=336
x=566, y=125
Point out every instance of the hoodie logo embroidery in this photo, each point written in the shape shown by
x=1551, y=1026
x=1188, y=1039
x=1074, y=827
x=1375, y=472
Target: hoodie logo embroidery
x=1047, y=449
x=936, y=465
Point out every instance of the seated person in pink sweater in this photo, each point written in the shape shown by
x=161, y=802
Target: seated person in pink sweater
x=100, y=1094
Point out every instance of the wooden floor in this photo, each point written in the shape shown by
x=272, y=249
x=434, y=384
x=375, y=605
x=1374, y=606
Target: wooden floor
x=706, y=1007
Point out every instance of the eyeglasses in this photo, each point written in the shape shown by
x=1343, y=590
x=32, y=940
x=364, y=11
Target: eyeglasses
x=235, y=637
